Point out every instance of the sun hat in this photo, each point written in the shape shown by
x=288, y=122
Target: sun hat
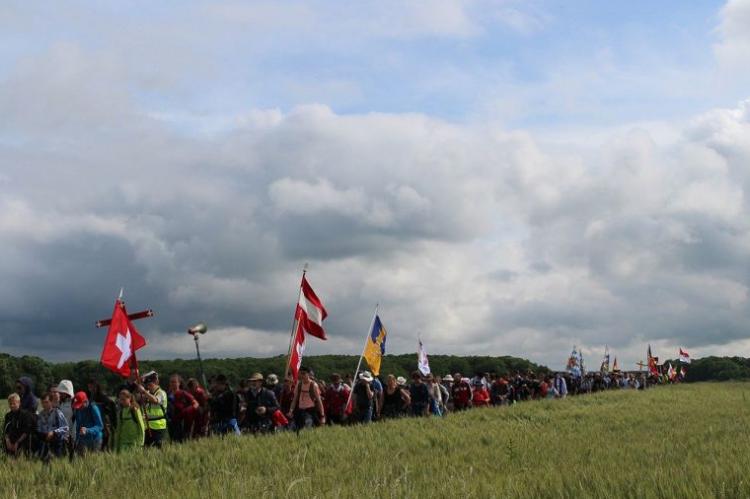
x=272, y=379
x=66, y=387
x=401, y=380
x=447, y=377
x=366, y=376
x=256, y=377
x=79, y=400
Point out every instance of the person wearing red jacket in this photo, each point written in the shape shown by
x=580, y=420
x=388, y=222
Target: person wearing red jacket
x=182, y=409
x=336, y=396
x=481, y=396
x=461, y=393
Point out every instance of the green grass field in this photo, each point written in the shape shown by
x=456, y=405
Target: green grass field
x=679, y=441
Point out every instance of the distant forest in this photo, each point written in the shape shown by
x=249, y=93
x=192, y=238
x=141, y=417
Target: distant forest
x=46, y=373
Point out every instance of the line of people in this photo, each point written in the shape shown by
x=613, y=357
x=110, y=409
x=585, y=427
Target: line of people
x=146, y=415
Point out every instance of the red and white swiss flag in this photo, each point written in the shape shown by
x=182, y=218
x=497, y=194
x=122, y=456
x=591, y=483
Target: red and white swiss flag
x=121, y=342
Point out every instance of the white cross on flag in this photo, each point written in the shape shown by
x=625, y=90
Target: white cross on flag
x=121, y=342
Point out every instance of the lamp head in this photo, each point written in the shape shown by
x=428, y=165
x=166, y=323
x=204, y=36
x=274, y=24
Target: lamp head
x=199, y=328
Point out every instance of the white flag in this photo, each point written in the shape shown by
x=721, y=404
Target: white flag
x=423, y=364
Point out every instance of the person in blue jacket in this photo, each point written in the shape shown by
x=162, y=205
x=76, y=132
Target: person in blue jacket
x=89, y=427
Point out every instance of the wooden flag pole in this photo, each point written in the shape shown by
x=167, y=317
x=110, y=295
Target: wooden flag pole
x=295, y=323
x=359, y=364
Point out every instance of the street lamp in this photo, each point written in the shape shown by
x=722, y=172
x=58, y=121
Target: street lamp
x=196, y=331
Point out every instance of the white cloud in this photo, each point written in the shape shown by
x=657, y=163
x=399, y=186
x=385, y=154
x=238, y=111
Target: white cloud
x=483, y=239
x=480, y=239
x=734, y=28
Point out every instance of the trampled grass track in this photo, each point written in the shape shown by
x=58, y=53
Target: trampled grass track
x=679, y=441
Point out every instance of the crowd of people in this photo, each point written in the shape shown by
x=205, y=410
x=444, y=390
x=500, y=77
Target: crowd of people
x=69, y=422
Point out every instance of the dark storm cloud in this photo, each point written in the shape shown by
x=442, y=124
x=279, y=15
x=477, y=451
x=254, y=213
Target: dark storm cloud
x=478, y=238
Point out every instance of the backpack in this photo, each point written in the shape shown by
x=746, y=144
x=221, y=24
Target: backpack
x=311, y=392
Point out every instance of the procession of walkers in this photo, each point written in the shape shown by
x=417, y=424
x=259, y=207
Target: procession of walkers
x=145, y=412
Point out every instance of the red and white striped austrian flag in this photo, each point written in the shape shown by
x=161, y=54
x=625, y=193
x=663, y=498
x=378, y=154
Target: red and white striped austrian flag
x=311, y=312
x=684, y=357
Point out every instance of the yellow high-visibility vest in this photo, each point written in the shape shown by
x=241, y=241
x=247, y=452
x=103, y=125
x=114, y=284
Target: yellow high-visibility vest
x=156, y=414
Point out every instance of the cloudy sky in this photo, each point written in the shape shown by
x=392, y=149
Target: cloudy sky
x=503, y=177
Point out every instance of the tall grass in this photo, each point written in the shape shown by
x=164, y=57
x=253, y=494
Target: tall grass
x=680, y=441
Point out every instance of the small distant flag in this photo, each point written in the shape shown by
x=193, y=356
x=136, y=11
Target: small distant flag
x=573, y=364
x=683, y=373
x=671, y=373
x=684, y=357
x=605, y=361
x=615, y=366
x=423, y=364
x=580, y=362
x=653, y=369
x=375, y=348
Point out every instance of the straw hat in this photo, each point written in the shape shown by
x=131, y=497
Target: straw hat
x=256, y=377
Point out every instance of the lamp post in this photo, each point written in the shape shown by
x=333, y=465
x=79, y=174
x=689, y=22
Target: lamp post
x=196, y=331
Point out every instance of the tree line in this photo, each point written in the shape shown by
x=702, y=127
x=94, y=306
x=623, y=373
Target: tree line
x=46, y=374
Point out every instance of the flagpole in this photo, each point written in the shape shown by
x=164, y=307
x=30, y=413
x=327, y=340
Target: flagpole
x=359, y=364
x=295, y=323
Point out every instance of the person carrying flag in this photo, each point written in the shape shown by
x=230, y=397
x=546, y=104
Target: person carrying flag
x=307, y=407
x=154, y=401
x=364, y=398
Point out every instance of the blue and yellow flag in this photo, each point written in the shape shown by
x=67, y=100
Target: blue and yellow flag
x=375, y=348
